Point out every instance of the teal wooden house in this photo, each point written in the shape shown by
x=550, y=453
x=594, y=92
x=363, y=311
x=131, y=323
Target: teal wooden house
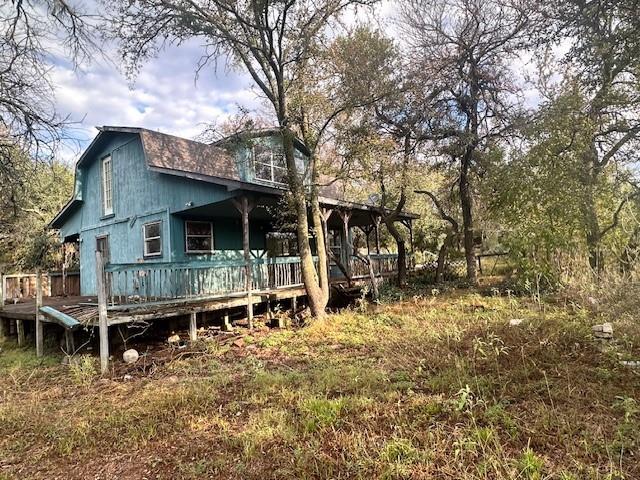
x=166, y=213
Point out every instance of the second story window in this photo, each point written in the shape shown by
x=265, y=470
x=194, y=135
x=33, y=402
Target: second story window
x=107, y=186
x=270, y=164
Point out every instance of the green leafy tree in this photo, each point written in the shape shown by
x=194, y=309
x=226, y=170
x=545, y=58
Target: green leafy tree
x=27, y=206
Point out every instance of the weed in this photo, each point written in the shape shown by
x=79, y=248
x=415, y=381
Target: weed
x=83, y=370
x=530, y=465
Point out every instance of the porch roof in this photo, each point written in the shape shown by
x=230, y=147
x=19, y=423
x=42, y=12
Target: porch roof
x=361, y=214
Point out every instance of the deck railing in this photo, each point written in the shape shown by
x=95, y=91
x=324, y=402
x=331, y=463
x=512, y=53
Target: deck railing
x=142, y=283
x=133, y=283
x=383, y=264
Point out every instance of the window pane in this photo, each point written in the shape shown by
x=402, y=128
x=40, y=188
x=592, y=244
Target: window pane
x=198, y=228
x=278, y=159
x=107, y=186
x=153, y=246
x=263, y=171
x=152, y=230
x=195, y=244
x=279, y=175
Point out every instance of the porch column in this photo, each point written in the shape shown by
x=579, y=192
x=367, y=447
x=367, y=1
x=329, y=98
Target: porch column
x=244, y=208
x=326, y=213
x=345, y=232
x=376, y=227
x=409, y=224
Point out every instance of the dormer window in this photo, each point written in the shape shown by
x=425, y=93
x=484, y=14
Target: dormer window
x=107, y=186
x=269, y=164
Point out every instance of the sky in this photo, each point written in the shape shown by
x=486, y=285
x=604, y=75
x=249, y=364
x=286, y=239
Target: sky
x=165, y=96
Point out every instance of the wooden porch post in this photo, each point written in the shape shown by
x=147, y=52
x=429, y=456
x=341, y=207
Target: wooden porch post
x=376, y=227
x=244, y=208
x=345, y=232
x=39, y=327
x=326, y=213
x=193, y=327
x=103, y=326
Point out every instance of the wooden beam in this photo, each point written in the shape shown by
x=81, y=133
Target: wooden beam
x=193, y=327
x=39, y=327
x=103, y=326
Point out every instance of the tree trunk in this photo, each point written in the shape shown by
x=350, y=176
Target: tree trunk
x=315, y=295
x=402, y=249
x=466, y=202
x=321, y=242
x=589, y=213
x=442, y=256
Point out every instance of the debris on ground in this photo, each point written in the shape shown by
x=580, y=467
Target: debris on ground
x=630, y=363
x=173, y=339
x=514, y=322
x=603, y=331
x=130, y=356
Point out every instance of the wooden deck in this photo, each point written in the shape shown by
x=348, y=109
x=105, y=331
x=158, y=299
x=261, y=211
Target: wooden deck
x=85, y=309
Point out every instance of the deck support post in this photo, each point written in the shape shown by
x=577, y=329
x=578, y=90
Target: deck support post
x=193, y=327
x=3, y=323
x=245, y=208
x=70, y=345
x=39, y=326
x=226, y=324
x=20, y=332
x=103, y=326
x=294, y=304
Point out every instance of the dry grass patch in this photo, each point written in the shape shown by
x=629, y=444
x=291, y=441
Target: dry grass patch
x=438, y=385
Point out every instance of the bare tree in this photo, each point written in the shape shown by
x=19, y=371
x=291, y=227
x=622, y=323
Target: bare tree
x=272, y=40
x=465, y=46
x=32, y=29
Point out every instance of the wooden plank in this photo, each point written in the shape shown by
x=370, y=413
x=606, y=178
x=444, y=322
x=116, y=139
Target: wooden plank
x=61, y=318
x=39, y=327
x=103, y=325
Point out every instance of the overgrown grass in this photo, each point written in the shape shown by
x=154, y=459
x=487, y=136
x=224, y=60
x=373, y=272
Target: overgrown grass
x=437, y=385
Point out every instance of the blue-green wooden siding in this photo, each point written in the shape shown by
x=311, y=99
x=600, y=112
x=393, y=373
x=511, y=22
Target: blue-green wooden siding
x=141, y=196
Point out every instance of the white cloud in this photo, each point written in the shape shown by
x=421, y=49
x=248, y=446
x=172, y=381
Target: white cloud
x=165, y=96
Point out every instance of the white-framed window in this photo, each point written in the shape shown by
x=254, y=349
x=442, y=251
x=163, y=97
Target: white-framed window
x=107, y=186
x=152, y=235
x=198, y=237
x=269, y=164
